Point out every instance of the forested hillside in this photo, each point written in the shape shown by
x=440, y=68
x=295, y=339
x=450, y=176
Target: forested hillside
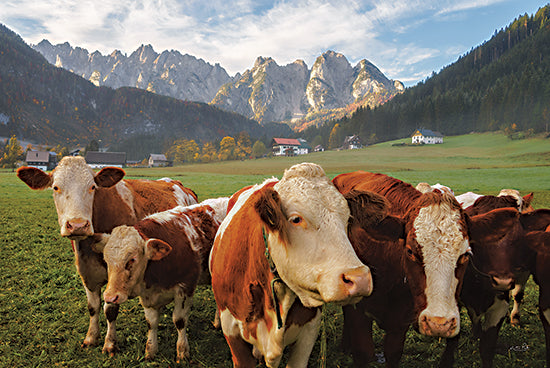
x=49, y=105
x=501, y=84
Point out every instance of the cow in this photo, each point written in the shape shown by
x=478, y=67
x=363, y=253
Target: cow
x=88, y=202
x=418, y=253
x=501, y=250
x=539, y=265
x=281, y=252
x=425, y=187
x=161, y=259
x=523, y=203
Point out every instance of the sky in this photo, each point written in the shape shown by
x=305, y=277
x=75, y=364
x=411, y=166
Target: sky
x=407, y=40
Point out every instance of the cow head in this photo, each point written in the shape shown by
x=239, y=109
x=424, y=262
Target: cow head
x=436, y=255
x=524, y=203
x=74, y=184
x=127, y=253
x=306, y=218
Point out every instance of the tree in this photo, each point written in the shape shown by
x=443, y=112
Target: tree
x=258, y=149
x=183, y=150
x=244, y=146
x=208, y=152
x=12, y=153
x=334, y=138
x=227, y=149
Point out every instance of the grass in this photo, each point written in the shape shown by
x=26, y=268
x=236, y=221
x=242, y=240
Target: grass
x=43, y=314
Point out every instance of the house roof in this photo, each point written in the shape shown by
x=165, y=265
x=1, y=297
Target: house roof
x=115, y=158
x=287, y=141
x=427, y=133
x=37, y=156
x=158, y=157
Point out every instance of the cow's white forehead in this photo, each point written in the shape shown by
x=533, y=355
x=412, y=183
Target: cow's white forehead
x=307, y=188
x=439, y=233
x=123, y=241
x=73, y=170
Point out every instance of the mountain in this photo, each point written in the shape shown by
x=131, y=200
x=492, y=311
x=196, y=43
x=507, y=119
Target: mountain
x=170, y=73
x=267, y=92
x=502, y=84
x=42, y=103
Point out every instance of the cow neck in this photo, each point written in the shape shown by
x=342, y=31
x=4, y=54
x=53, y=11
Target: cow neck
x=276, y=278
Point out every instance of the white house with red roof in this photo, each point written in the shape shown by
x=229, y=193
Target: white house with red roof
x=289, y=147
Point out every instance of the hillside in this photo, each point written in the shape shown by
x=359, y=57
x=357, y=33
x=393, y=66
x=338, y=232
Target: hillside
x=42, y=103
x=501, y=84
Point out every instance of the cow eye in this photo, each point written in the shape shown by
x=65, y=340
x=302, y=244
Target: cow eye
x=56, y=189
x=296, y=220
x=464, y=258
x=410, y=254
x=130, y=263
x=92, y=188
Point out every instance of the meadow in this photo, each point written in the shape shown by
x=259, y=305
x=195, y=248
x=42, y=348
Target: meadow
x=43, y=313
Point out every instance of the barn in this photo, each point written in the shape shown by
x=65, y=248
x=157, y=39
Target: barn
x=426, y=136
x=43, y=160
x=98, y=159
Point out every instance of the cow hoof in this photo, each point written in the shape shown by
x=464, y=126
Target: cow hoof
x=111, y=350
x=515, y=321
x=89, y=343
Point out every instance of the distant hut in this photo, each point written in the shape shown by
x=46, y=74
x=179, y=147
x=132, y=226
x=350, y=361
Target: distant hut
x=43, y=160
x=96, y=159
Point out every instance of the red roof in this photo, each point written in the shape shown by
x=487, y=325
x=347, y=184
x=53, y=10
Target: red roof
x=287, y=141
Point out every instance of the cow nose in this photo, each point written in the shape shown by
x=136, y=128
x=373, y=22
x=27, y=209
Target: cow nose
x=439, y=326
x=78, y=227
x=502, y=283
x=111, y=298
x=358, y=282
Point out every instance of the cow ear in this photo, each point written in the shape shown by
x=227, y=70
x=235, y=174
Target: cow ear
x=109, y=176
x=539, y=241
x=527, y=199
x=35, y=178
x=156, y=249
x=268, y=206
x=535, y=220
x=99, y=242
x=366, y=208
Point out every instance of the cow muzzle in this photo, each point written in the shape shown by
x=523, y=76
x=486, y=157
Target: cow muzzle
x=439, y=326
x=114, y=298
x=502, y=283
x=77, y=228
x=357, y=282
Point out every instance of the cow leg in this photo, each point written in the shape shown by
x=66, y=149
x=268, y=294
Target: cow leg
x=302, y=348
x=94, y=304
x=448, y=357
x=241, y=351
x=494, y=317
x=545, y=319
x=152, y=317
x=111, y=312
x=517, y=296
x=357, y=334
x=394, y=342
x=180, y=316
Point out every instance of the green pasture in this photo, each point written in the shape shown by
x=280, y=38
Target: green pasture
x=43, y=313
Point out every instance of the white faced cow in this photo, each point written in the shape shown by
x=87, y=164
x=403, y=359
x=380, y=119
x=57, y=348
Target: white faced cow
x=87, y=202
x=281, y=252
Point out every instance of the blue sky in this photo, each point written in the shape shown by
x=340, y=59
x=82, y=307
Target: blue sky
x=406, y=39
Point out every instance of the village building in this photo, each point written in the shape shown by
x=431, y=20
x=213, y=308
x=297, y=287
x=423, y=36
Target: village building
x=43, y=160
x=426, y=136
x=319, y=148
x=157, y=160
x=289, y=147
x=352, y=142
x=97, y=160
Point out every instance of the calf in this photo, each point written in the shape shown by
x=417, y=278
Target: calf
x=88, y=202
x=281, y=252
x=161, y=259
x=418, y=254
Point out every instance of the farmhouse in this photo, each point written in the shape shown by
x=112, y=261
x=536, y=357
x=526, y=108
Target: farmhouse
x=426, y=136
x=352, y=142
x=43, y=160
x=157, y=160
x=289, y=147
x=98, y=160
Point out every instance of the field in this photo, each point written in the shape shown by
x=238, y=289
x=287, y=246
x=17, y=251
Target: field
x=43, y=313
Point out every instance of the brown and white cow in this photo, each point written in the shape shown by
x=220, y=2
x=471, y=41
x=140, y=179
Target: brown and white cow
x=161, y=259
x=281, y=252
x=418, y=254
x=88, y=202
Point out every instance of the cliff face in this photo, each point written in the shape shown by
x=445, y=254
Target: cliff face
x=169, y=73
x=267, y=92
